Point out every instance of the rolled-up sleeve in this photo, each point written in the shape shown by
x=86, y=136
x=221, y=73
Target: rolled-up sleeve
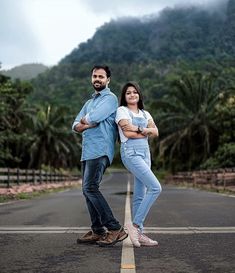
x=122, y=114
x=80, y=115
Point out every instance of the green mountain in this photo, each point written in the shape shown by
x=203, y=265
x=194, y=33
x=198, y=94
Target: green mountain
x=25, y=71
x=183, y=60
x=182, y=33
x=146, y=49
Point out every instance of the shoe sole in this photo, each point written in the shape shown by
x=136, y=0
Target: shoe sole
x=101, y=244
x=86, y=242
x=80, y=241
x=148, y=245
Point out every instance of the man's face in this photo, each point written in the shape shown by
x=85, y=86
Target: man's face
x=99, y=79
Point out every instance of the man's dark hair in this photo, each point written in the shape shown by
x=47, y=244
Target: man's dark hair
x=123, y=95
x=105, y=67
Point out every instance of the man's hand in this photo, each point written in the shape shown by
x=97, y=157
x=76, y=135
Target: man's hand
x=80, y=127
x=83, y=121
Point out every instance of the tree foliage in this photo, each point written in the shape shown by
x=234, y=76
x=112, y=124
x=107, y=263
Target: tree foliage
x=32, y=135
x=13, y=112
x=52, y=142
x=184, y=61
x=187, y=120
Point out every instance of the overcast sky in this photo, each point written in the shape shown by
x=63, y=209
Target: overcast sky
x=44, y=31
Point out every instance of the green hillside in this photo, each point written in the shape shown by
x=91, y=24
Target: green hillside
x=143, y=49
x=25, y=71
x=183, y=59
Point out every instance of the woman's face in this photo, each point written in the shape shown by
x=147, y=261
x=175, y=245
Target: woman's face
x=132, y=96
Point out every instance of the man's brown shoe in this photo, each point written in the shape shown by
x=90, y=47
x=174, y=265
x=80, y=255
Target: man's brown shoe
x=90, y=238
x=112, y=237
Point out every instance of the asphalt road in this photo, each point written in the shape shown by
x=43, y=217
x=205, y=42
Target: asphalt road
x=195, y=230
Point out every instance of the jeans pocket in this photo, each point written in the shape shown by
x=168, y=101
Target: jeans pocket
x=141, y=152
x=129, y=152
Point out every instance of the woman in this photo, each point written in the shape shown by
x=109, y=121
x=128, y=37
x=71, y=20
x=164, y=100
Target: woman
x=135, y=126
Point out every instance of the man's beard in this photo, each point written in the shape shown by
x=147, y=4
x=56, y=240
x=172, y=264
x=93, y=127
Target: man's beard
x=98, y=88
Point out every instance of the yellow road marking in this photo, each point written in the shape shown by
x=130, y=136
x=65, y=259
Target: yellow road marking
x=128, y=257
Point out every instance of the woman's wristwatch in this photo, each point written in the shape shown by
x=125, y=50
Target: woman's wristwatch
x=140, y=129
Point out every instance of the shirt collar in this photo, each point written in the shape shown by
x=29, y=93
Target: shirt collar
x=101, y=93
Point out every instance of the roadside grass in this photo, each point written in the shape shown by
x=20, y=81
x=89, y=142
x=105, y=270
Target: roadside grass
x=207, y=187
x=34, y=194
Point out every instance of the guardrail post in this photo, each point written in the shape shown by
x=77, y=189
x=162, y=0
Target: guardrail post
x=224, y=179
x=34, y=177
x=26, y=175
x=40, y=176
x=18, y=176
x=8, y=177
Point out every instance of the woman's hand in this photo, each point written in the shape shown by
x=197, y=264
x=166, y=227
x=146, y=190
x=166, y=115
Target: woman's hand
x=129, y=130
x=151, y=130
x=146, y=132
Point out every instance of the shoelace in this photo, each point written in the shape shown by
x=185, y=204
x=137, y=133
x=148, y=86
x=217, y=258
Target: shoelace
x=106, y=235
x=137, y=234
x=145, y=237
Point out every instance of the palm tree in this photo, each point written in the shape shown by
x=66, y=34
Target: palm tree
x=53, y=143
x=13, y=112
x=187, y=121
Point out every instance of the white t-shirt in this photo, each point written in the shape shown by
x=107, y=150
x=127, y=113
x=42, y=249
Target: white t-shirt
x=123, y=113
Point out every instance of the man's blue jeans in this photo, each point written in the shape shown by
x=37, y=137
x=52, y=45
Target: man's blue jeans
x=100, y=213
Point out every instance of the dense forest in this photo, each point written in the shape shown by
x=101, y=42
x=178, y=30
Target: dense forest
x=183, y=59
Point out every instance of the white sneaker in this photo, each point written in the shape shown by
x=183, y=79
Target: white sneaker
x=134, y=234
x=146, y=241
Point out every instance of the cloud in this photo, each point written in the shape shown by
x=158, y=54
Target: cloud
x=44, y=30
x=17, y=37
x=47, y=30
x=140, y=7
x=62, y=25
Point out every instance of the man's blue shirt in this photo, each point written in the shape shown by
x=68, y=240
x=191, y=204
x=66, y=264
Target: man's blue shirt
x=100, y=140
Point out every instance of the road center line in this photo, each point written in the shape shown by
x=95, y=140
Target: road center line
x=128, y=257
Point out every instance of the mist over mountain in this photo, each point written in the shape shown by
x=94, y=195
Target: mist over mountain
x=185, y=33
x=144, y=49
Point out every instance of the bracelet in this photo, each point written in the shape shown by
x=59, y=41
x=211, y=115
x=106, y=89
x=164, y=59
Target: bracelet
x=140, y=129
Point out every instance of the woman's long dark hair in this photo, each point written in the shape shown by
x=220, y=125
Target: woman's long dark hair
x=123, y=95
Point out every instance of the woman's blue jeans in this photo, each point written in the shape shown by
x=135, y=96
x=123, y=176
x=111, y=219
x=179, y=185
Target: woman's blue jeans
x=100, y=213
x=135, y=156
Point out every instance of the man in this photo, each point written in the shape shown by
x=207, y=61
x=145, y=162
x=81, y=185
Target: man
x=96, y=121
